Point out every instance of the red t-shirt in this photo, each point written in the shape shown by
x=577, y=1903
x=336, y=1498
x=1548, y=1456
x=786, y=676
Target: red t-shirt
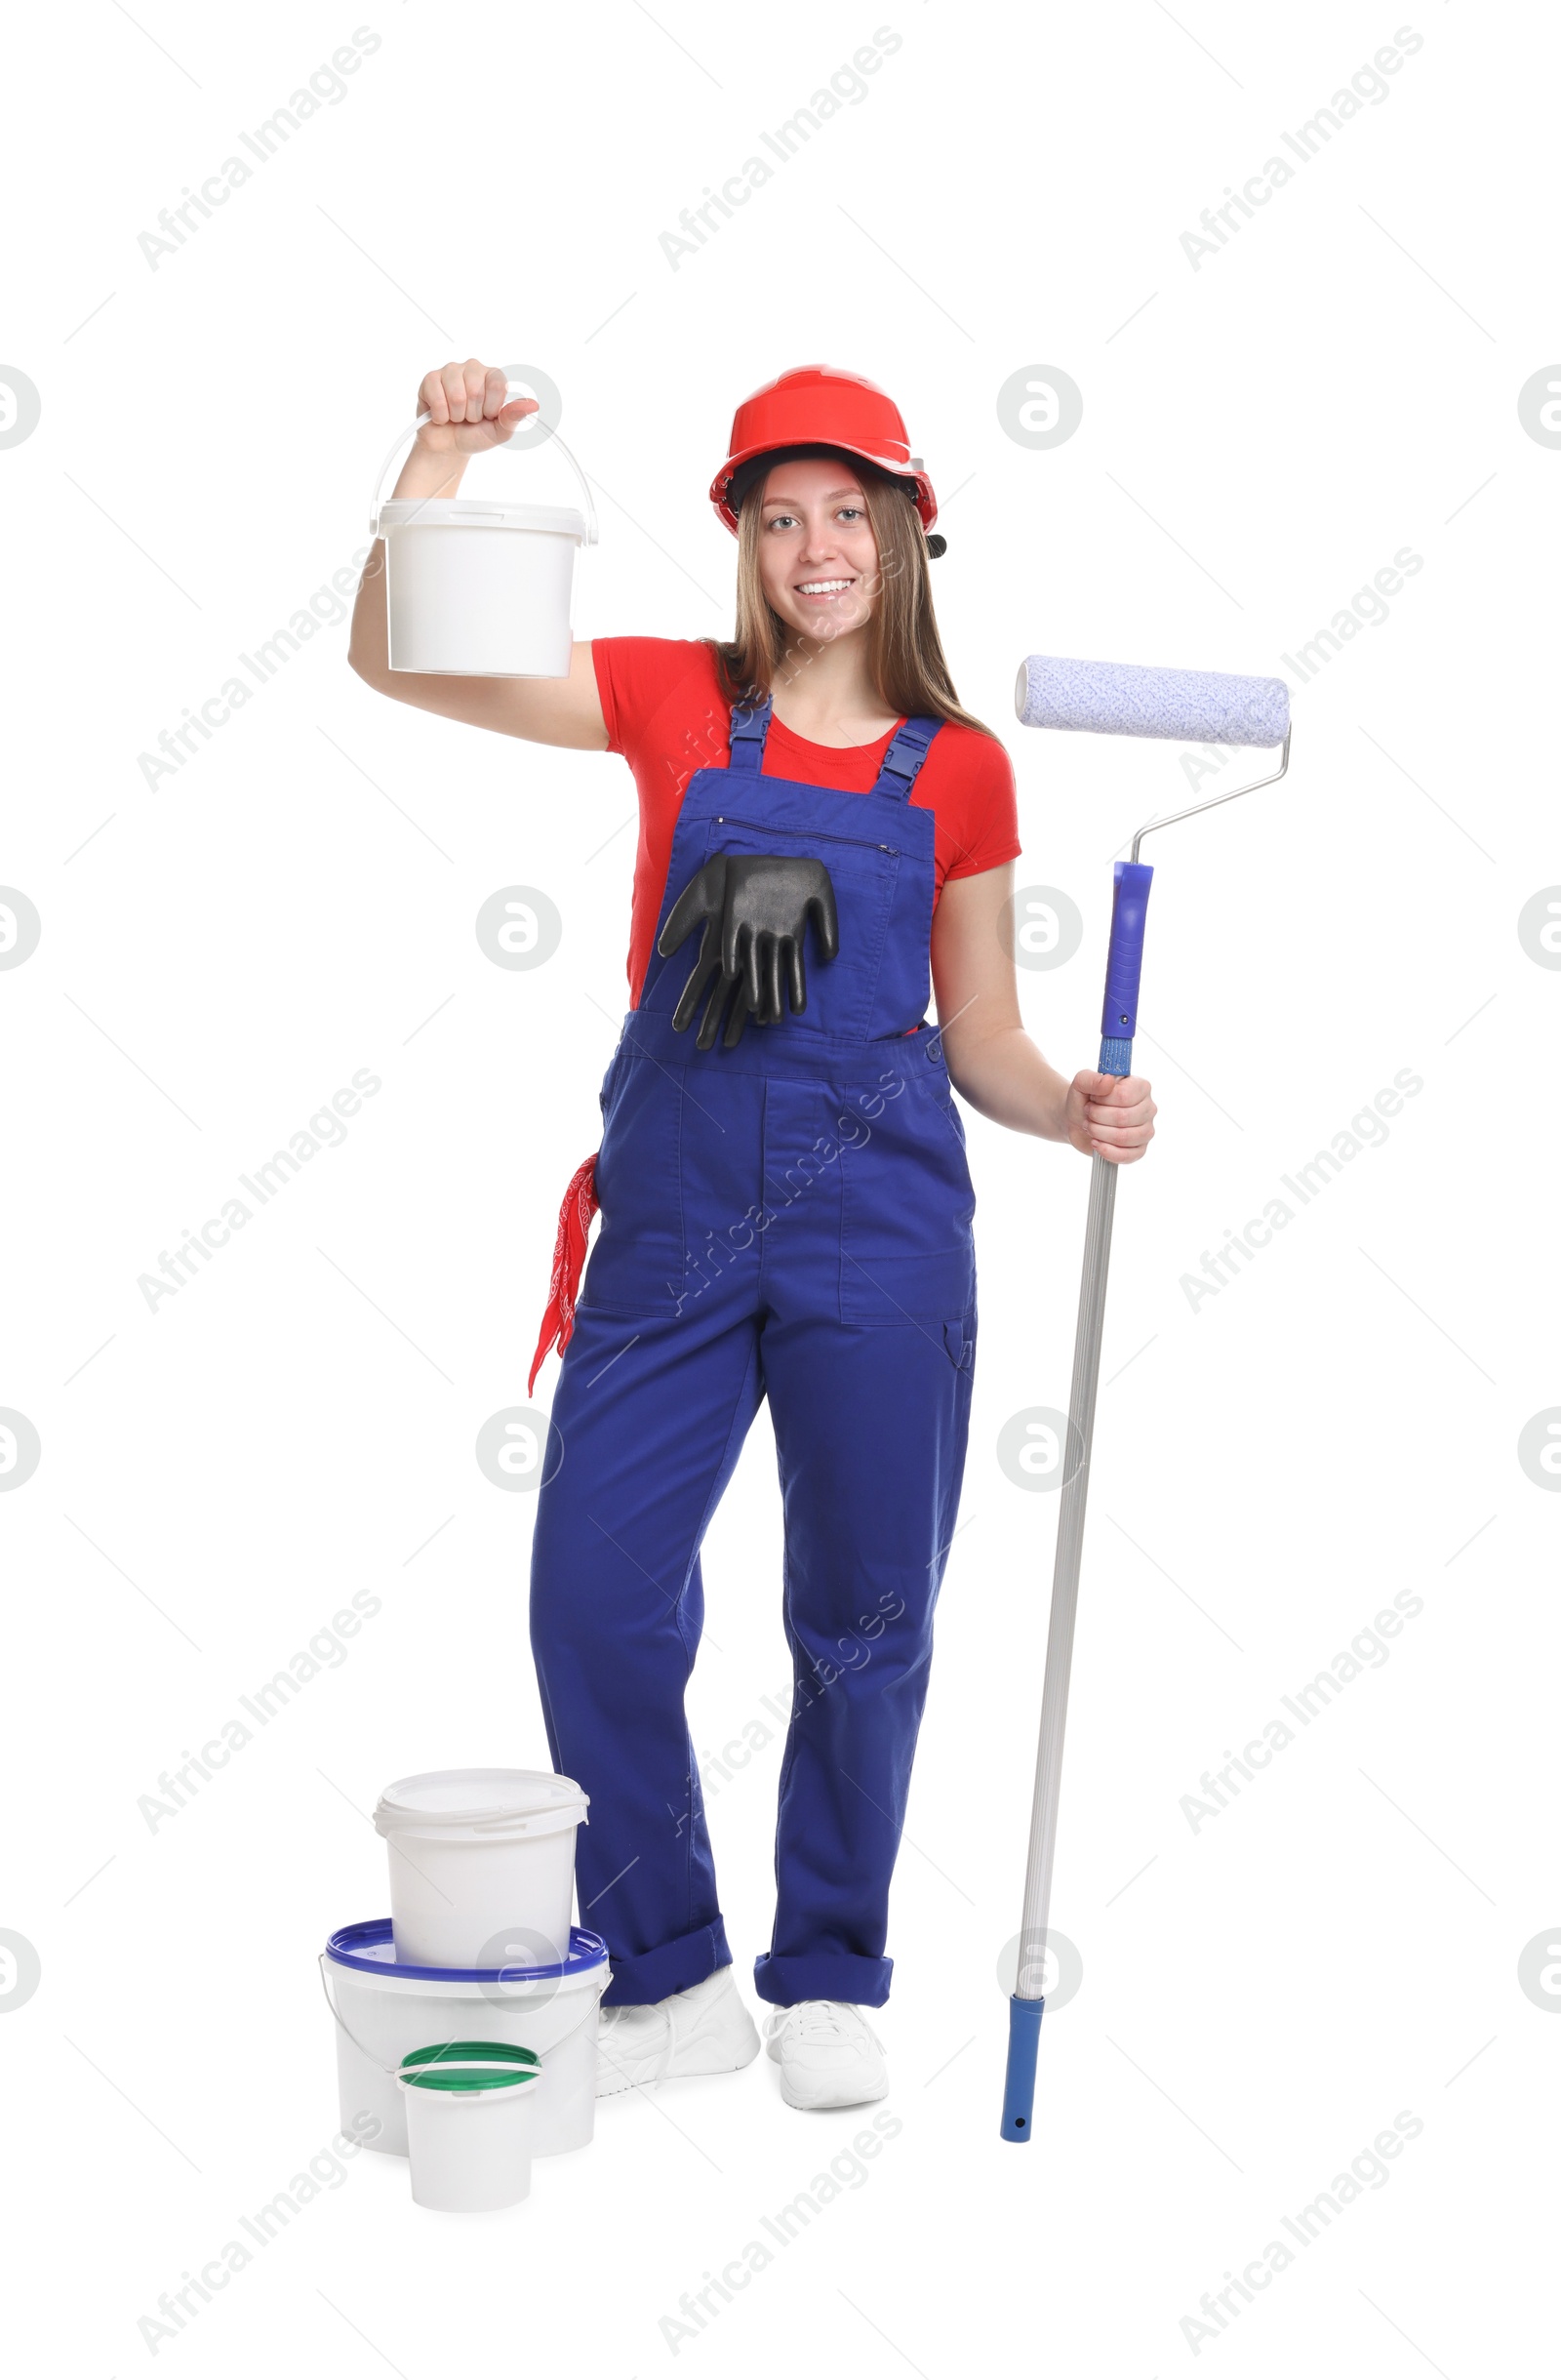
x=665, y=713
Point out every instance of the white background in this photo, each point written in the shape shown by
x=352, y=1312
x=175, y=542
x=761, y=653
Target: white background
x=219, y=955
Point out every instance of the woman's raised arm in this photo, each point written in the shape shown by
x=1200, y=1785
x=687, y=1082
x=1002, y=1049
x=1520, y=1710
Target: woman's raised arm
x=468, y=412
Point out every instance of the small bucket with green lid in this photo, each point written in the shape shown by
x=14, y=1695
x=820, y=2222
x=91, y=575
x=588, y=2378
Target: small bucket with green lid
x=471, y=2119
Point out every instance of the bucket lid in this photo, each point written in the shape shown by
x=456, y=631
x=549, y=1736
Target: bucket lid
x=468, y=2065
x=462, y=513
x=370, y=1948
x=481, y=1801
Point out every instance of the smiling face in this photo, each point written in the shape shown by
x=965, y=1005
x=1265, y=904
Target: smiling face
x=817, y=556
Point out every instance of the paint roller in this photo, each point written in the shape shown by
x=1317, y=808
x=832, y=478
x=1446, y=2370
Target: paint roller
x=1192, y=706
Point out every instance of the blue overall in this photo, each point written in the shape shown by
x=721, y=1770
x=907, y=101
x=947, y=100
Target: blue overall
x=790, y=1219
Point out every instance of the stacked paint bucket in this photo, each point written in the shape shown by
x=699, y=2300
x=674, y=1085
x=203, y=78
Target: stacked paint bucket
x=466, y=2020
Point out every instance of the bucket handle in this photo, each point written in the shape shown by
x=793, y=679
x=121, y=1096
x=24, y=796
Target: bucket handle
x=521, y=1823
x=592, y=2002
x=502, y=1821
x=411, y=432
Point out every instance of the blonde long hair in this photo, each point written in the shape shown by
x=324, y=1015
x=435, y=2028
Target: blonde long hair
x=904, y=650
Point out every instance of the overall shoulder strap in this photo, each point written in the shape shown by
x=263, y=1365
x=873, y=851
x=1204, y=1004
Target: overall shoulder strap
x=750, y=724
x=904, y=759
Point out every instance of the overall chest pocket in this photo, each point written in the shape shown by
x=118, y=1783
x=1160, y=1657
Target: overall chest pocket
x=841, y=990
x=638, y=1264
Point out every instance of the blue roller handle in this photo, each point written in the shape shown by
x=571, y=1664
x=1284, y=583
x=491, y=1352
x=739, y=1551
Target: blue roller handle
x=1119, y=1016
x=1018, y=2083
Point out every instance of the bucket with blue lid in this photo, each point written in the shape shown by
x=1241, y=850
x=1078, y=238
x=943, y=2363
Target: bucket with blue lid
x=386, y=2010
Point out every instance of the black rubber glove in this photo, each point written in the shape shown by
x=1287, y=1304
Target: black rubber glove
x=754, y=912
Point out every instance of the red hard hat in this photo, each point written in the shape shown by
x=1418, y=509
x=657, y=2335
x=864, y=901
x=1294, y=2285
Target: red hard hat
x=819, y=406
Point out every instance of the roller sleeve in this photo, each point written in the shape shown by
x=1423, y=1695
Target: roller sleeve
x=1119, y=698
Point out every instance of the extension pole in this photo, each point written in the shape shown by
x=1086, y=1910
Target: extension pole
x=1124, y=963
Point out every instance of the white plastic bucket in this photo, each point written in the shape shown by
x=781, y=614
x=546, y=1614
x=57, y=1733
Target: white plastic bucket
x=482, y=1866
x=470, y=2117
x=480, y=588
x=385, y=2011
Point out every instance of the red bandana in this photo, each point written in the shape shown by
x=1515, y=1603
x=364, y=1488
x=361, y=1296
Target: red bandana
x=569, y=1260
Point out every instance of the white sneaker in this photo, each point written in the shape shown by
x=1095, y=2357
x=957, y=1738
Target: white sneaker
x=828, y=2055
x=705, y=2029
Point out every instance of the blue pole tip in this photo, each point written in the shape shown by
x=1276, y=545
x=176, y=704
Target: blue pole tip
x=1018, y=2082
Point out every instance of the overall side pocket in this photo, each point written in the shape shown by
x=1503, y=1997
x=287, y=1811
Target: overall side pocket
x=907, y=1243
x=637, y=1266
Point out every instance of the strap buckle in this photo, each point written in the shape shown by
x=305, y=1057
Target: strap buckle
x=750, y=725
x=905, y=754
